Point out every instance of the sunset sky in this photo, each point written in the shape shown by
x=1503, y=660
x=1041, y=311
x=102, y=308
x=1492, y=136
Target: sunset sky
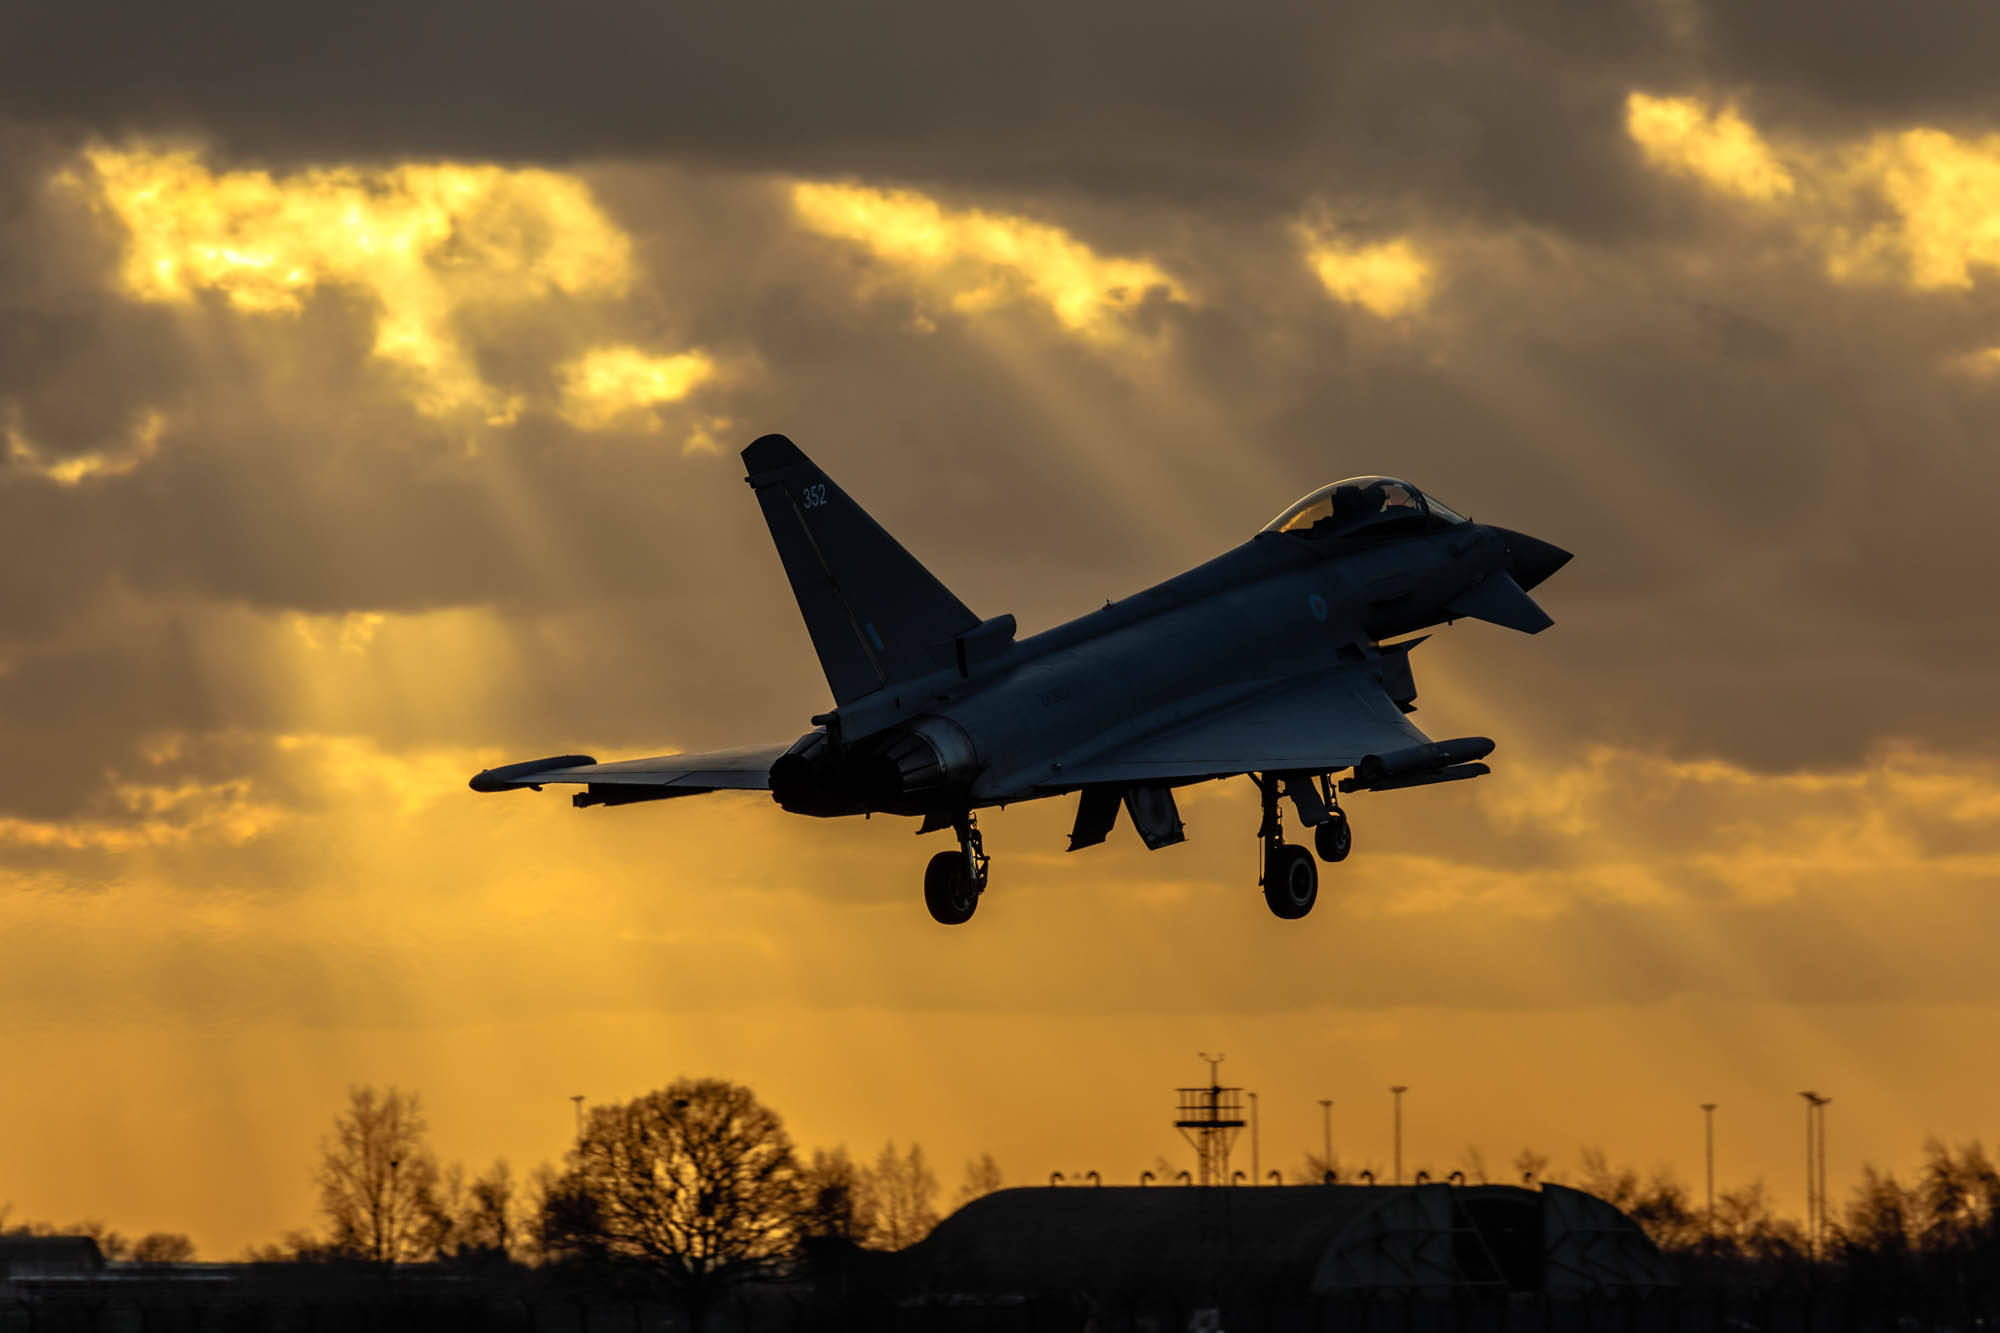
x=371, y=385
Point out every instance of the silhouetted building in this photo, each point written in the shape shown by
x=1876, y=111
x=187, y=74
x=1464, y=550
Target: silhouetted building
x=24, y=1258
x=1286, y=1242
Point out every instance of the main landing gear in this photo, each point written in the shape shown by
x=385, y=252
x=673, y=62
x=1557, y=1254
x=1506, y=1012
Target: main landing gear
x=1291, y=876
x=954, y=880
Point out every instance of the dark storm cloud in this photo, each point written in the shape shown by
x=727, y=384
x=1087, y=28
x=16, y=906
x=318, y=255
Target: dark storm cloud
x=1490, y=110
x=1738, y=450
x=60, y=324
x=1850, y=67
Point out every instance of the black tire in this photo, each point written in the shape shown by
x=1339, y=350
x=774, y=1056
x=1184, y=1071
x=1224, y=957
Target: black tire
x=948, y=889
x=1291, y=881
x=1333, y=840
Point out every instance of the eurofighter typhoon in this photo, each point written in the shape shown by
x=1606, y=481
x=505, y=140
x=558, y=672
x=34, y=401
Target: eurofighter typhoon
x=1274, y=661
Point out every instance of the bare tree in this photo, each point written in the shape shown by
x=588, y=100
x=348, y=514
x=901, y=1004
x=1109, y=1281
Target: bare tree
x=110, y=1244
x=1659, y=1204
x=1746, y=1225
x=905, y=1190
x=378, y=1182
x=696, y=1181
x=1960, y=1196
x=982, y=1177
x=835, y=1198
x=163, y=1247
x=1883, y=1218
x=1312, y=1171
x=295, y=1247
x=557, y=1224
x=567, y=1221
x=483, y=1224
x=1532, y=1167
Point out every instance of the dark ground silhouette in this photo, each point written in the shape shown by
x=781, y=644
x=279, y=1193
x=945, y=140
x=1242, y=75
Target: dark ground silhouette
x=689, y=1207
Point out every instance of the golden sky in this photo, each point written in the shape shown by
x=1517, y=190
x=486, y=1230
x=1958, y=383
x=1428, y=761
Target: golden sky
x=343, y=455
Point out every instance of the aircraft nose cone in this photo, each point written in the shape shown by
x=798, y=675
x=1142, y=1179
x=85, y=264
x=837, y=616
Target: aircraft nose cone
x=1533, y=559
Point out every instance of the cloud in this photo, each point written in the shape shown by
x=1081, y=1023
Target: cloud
x=1904, y=818
x=71, y=469
x=351, y=632
x=427, y=246
x=607, y=385
x=975, y=260
x=1939, y=190
x=1945, y=190
x=1387, y=278
x=1714, y=144
x=154, y=815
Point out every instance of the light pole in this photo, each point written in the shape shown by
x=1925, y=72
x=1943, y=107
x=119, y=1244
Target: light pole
x=1811, y=1200
x=1399, y=1089
x=1821, y=1106
x=1708, y=1119
x=1815, y=1170
x=1326, y=1131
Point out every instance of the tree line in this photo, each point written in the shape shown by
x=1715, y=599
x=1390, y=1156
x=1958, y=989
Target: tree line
x=1936, y=1234
x=153, y=1248
x=698, y=1187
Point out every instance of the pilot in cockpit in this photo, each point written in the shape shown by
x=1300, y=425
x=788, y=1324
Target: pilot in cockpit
x=1376, y=505
x=1350, y=505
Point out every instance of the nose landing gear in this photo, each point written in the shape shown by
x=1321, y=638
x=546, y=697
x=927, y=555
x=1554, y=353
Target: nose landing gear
x=954, y=880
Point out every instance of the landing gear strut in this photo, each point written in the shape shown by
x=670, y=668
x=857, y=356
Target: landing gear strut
x=1291, y=876
x=954, y=880
x=1333, y=839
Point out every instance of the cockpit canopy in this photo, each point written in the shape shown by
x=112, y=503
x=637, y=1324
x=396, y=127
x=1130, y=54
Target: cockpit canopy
x=1376, y=505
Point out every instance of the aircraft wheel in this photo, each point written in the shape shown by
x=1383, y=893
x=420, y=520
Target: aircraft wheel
x=1333, y=839
x=1291, y=881
x=948, y=889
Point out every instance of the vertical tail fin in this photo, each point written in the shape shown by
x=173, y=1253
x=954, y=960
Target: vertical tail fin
x=875, y=614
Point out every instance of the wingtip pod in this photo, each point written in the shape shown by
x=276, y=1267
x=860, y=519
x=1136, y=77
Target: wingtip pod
x=508, y=776
x=1420, y=764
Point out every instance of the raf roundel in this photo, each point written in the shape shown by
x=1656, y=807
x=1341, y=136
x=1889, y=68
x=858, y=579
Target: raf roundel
x=1318, y=605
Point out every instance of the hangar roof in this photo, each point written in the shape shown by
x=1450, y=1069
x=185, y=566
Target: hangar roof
x=1295, y=1240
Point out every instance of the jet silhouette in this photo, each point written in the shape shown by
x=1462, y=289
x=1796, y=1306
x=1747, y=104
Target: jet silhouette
x=1272, y=660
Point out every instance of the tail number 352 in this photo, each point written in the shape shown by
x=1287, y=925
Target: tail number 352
x=812, y=497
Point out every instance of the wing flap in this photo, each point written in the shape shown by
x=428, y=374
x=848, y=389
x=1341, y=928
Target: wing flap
x=1316, y=724
x=745, y=768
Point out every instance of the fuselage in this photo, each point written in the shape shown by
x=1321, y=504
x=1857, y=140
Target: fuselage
x=1280, y=605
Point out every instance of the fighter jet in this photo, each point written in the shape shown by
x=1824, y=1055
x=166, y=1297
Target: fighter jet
x=1285, y=660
